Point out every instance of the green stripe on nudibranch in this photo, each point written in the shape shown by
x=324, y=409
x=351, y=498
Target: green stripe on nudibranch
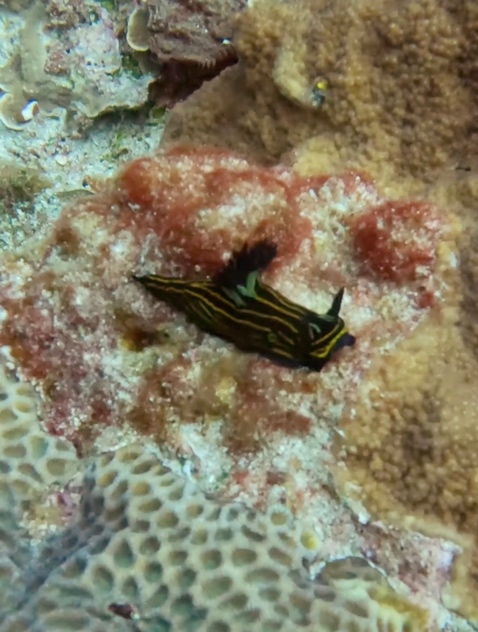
x=237, y=306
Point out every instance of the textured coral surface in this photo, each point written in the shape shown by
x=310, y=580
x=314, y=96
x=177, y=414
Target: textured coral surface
x=191, y=32
x=111, y=364
x=88, y=335
x=345, y=500
x=145, y=550
x=190, y=41
x=390, y=88
x=402, y=96
x=63, y=58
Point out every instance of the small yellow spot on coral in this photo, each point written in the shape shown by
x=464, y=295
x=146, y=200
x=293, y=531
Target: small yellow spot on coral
x=319, y=90
x=310, y=540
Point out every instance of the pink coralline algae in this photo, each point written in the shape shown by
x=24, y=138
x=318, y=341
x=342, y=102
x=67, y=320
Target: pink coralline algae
x=102, y=352
x=393, y=239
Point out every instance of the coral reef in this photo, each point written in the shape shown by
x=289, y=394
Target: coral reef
x=388, y=89
x=48, y=139
x=422, y=462
x=190, y=33
x=419, y=468
x=67, y=13
x=371, y=106
x=182, y=212
x=144, y=546
x=19, y=187
x=112, y=365
x=402, y=91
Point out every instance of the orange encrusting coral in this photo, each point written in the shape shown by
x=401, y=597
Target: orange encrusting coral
x=414, y=453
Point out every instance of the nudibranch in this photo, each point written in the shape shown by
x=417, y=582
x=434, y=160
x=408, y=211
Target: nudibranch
x=238, y=307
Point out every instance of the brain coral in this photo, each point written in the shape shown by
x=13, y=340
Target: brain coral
x=146, y=550
x=402, y=89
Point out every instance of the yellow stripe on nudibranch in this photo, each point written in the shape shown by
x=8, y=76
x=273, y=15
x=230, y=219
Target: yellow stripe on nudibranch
x=237, y=306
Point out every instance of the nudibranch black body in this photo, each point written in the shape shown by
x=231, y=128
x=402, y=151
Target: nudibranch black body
x=238, y=307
